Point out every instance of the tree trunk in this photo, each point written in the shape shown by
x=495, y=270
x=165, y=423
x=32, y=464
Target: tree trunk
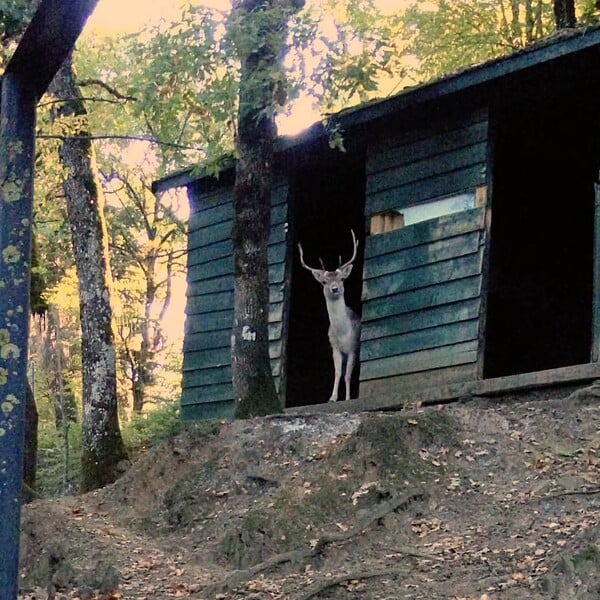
x=30, y=449
x=53, y=363
x=146, y=351
x=258, y=29
x=102, y=445
x=38, y=307
x=564, y=13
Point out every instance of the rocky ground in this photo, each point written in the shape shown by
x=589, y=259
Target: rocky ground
x=485, y=499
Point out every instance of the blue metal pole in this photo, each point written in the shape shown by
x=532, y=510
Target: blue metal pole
x=17, y=131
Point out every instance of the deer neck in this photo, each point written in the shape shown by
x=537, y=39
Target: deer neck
x=336, y=308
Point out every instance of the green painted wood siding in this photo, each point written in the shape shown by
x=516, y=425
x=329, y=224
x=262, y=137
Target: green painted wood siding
x=206, y=383
x=420, y=165
x=422, y=283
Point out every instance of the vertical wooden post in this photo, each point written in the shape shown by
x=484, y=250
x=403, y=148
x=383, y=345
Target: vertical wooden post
x=595, y=350
x=17, y=130
x=46, y=43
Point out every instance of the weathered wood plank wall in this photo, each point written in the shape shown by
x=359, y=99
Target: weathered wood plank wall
x=207, y=391
x=422, y=283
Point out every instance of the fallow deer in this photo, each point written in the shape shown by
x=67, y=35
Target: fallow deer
x=344, y=323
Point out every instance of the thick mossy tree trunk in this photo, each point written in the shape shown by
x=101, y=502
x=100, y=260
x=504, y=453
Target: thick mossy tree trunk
x=258, y=30
x=102, y=445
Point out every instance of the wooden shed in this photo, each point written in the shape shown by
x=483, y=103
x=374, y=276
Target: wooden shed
x=475, y=201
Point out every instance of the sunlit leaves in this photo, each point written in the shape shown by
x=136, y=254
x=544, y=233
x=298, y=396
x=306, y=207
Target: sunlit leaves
x=344, y=52
x=185, y=86
x=446, y=36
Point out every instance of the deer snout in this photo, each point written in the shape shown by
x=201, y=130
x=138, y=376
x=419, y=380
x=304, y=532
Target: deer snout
x=335, y=290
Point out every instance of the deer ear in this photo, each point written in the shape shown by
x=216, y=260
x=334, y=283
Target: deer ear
x=346, y=270
x=318, y=275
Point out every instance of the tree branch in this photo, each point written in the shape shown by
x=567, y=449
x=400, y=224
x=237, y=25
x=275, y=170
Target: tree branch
x=135, y=138
x=111, y=90
x=85, y=98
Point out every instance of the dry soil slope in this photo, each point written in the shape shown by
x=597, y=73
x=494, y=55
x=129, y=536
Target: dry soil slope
x=488, y=498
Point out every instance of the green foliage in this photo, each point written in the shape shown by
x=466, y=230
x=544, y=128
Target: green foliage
x=591, y=554
x=140, y=433
x=54, y=477
x=182, y=78
x=443, y=37
x=185, y=86
x=14, y=16
x=148, y=429
x=351, y=51
x=588, y=12
x=447, y=36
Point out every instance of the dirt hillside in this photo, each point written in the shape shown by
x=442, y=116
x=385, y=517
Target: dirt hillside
x=484, y=499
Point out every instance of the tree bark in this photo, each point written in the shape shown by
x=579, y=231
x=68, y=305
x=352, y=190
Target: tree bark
x=53, y=364
x=102, y=445
x=30, y=449
x=258, y=29
x=143, y=362
x=564, y=13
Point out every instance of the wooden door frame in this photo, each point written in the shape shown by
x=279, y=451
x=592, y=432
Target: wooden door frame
x=595, y=350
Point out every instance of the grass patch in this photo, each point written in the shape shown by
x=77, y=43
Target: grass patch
x=151, y=428
x=591, y=554
x=186, y=502
x=58, y=463
x=59, y=458
x=393, y=442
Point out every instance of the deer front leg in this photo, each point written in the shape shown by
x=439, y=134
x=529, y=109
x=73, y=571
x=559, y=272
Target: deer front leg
x=348, y=375
x=337, y=365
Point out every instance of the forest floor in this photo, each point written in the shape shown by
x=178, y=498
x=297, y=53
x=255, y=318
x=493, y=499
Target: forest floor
x=483, y=499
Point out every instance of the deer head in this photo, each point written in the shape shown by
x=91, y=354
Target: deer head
x=332, y=281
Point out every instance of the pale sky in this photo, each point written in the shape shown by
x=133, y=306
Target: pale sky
x=131, y=15
x=114, y=16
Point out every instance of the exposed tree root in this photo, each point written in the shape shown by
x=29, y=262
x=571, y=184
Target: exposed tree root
x=592, y=390
x=235, y=578
x=325, y=584
x=413, y=553
x=590, y=492
x=385, y=508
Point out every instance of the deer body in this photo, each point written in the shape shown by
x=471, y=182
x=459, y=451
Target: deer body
x=344, y=323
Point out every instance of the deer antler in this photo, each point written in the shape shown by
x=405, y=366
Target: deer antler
x=355, y=244
x=302, y=260
x=341, y=267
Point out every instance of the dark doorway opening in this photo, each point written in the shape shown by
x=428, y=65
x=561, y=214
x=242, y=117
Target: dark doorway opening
x=326, y=203
x=539, y=312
